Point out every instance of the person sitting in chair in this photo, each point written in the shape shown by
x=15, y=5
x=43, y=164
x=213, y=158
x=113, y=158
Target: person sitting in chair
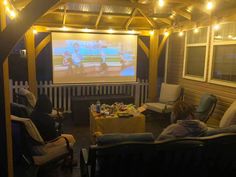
x=42, y=120
x=184, y=123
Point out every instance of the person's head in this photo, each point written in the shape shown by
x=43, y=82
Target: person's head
x=182, y=111
x=43, y=104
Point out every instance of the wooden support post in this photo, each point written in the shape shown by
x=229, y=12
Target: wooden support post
x=31, y=60
x=153, y=66
x=6, y=158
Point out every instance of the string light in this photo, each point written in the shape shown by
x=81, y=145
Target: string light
x=10, y=9
x=166, y=33
x=196, y=30
x=161, y=3
x=110, y=30
x=35, y=31
x=64, y=28
x=210, y=5
x=151, y=32
x=216, y=27
x=181, y=33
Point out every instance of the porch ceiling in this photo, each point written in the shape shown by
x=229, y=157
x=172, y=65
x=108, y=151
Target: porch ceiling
x=130, y=14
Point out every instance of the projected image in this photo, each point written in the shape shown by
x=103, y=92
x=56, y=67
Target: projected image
x=94, y=58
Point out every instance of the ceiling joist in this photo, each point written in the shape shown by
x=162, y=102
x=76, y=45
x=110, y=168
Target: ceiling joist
x=130, y=19
x=182, y=13
x=64, y=16
x=99, y=17
x=149, y=20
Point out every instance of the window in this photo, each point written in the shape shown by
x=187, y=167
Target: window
x=223, y=56
x=195, y=57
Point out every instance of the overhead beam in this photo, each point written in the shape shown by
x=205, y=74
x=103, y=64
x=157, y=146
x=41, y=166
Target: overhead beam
x=165, y=20
x=130, y=19
x=121, y=3
x=149, y=20
x=64, y=16
x=182, y=13
x=99, y=17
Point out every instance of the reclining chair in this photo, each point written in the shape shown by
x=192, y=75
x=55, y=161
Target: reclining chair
x=28, y=99
x=30, y=149
x=169, y=94
x=206, y=107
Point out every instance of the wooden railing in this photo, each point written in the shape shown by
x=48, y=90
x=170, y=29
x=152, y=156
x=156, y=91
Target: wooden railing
x=61, y=95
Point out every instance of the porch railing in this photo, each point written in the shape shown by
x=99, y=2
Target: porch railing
x=61, y=95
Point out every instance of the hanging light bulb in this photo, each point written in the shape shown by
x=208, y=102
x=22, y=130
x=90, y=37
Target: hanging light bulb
x=196, y=30
x=161, y=3
x=210, y=5
x=151, y=32
x=181, y=33
x=216, y=27
x=35, y=31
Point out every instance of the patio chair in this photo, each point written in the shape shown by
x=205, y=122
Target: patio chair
x=28, y=99
x=30, y=149
x=206, y=107
x=170, y=93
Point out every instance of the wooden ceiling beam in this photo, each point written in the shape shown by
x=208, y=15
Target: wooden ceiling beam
x=64, y=16
x=130, y=19
x=99, y=17
x=165, y=20
x=182, y=13
x=149, y=20
x=122, y=3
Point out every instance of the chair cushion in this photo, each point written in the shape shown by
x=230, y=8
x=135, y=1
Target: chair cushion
x=206, y=102
x=215, y=131
x=159, y=107
x=229, y=117
x=51, y=151
x=29, y=95
x=30, y=127
x=108, y=139
x=169, y=92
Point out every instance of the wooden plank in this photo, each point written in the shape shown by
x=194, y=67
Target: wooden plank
x=99, y=17
x=31, y=61
x=149, y=20
x=153, y=66
x=42, y=45
x=143, y=47
x=131, y=18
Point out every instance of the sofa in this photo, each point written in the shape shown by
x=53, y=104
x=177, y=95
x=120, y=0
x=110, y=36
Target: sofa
x=120, y=155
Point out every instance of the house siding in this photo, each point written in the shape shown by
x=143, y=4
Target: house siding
x=194, y=89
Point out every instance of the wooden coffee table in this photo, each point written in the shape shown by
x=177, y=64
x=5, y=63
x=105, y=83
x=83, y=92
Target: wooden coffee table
x=104, y=124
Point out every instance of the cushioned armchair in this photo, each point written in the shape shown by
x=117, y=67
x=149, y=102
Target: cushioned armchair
x=196, y=157
x=169, y=94
x=30, y=148
x=206, y=107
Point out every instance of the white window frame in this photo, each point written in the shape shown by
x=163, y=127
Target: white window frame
x=210, y=79
x=192, y=77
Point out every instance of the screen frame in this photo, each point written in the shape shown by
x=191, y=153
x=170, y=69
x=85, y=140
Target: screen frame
x=98, y=82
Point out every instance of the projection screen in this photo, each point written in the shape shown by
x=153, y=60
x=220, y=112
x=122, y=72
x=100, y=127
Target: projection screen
x=89, y=58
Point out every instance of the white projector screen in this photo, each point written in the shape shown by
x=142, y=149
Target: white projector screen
x=89, y=58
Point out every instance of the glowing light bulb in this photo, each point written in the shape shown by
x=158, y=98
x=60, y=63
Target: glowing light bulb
x=131, y=32
x=210, y=5
x=181, y=33
x=12, y=14
x=5, y=2
x=35, y=31
x=216, y=27
x=151, y=32
x=166, y=33
x=230, y=36
x=64, y=28
x=196, y=30
x=110, y=30
x=161, y=3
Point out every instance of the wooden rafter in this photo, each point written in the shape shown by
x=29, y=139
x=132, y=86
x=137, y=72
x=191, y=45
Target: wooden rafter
x=165, y=20
x=149, y=20
x=64, y=16
x=182, y=13
x=130, y=19
x=121, y=3
x=99, y=17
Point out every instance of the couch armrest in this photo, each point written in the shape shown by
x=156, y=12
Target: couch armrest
x=84, y=168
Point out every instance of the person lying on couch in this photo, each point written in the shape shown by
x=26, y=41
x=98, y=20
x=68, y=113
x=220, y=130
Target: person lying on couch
x=184, y=123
